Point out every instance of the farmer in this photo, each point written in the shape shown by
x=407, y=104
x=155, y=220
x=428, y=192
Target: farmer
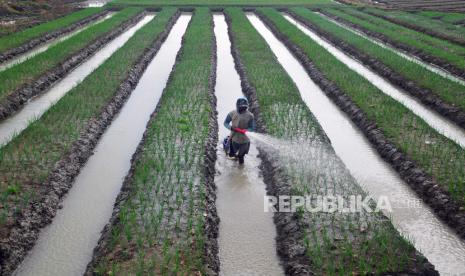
x=239, y=121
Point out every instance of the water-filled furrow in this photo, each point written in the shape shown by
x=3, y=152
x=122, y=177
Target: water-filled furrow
x=65, y=246
x=433, y=119
x=37, y=106
x=407, y=56
x=44, y=47
x=247, y=234
x=93, y=3
x=412, y=218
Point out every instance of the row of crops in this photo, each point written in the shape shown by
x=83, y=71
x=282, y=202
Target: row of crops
x=164, y=220
x=287, y=117
x=425, y=146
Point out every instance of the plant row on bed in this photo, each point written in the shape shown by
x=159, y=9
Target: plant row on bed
x=46, y=29
x=319, y=242
x=42, y=70
x=429, y=26
x=161, y=218
x=452, y=18
x=422, y=156
x=443, y=95
x=28, y=161
x=430, y=49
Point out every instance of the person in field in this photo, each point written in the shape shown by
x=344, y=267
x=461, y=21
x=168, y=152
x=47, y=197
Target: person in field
x=239, y=121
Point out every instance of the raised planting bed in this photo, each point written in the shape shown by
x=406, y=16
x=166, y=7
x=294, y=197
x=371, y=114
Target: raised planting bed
x=164, y=220
x=430, y=27
x=38, y=167
x=430, y=49
x=320, y=243
x=443, y=95
x=20, y=42
x=34, y=76
x=426, y=160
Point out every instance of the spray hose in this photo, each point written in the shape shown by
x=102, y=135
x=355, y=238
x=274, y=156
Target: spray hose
x=240, y=130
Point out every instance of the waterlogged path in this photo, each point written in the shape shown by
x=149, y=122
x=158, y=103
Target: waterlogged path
x=42, y=48
x=65, y=246
x=407, y=56
x=34, y=109
x=247, y=234
x=410, y=216
x=433, y=119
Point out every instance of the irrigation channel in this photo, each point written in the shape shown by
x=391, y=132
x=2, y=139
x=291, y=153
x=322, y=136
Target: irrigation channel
x=94, y=3
x=430, y=67
x=44, y=47
x=37, y=106
x=246, y=234
x=435, y=120
x=411, y=217
x=65, y=246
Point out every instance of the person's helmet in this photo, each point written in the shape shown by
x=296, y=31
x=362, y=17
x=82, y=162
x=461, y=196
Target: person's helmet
x=242, y=104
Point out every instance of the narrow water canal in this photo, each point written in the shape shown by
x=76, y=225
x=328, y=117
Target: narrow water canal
x=247, y=234
x=37, y=106
x=412, y=218
x=65, y=246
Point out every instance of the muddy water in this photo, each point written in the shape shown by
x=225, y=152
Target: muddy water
x=247, y=234
x=21, y=58
x=435, y=120
x=94, y=3
x=65, y=247
x=410, y=216
x=37, y=106
x=431, y=67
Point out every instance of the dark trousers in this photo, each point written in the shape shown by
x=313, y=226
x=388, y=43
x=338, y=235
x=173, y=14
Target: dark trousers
x=239, y=150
